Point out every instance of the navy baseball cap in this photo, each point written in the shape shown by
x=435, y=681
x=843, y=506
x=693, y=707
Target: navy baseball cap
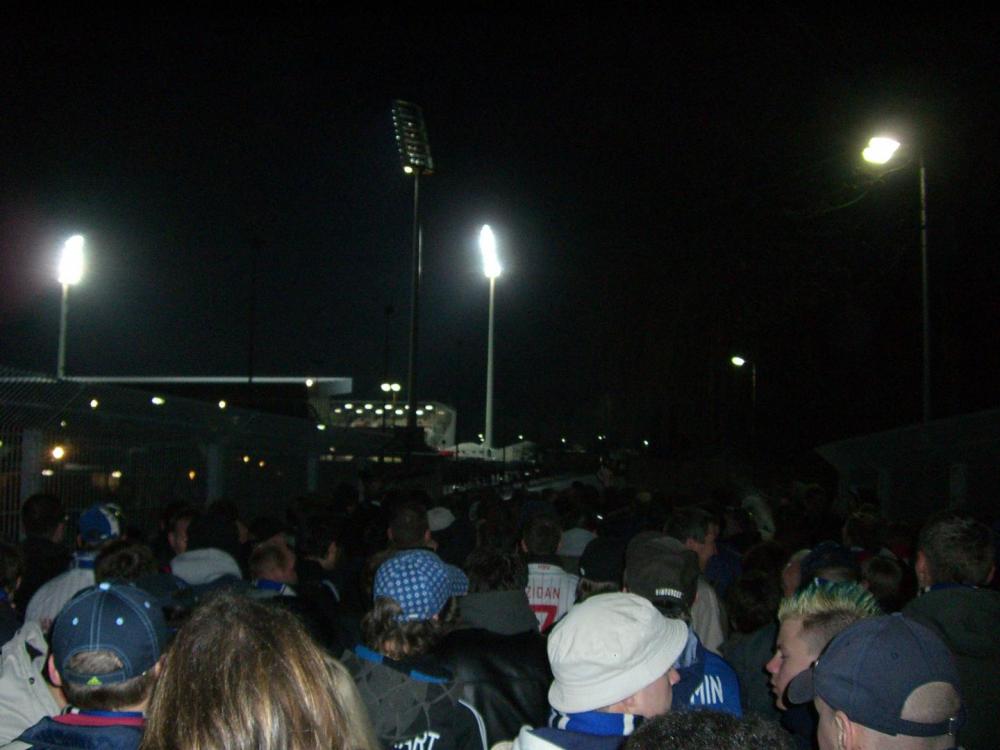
x=99, y=523
x=119, y=618
x=870, y=669
x=420, y=582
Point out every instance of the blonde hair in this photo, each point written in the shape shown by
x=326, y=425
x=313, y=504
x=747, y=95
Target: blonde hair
x=826, y=608
x=244, y=674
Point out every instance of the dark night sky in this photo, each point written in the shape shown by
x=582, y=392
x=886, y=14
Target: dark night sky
x=663, y=190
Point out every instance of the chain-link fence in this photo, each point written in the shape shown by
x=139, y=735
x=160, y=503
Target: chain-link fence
x=90, y=443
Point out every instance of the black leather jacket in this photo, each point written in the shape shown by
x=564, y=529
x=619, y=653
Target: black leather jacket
x=506, y=677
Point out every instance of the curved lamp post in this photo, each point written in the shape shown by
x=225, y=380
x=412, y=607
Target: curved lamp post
x=879, y=151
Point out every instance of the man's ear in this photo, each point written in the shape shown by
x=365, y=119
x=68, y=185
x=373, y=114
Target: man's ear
x=54, y=675
x=388, y=534
x=987, y=582
x=846, y=731
x=523, y=546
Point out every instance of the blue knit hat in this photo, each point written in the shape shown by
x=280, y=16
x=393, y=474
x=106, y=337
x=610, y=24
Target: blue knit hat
x=420, y=582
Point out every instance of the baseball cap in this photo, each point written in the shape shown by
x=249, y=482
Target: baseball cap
x=603, y=559
x=661, y=569
x=609, y=647
x=420, y=582
x=99, y=523
x=119, y=618
x=439, y=518
x=870, y=669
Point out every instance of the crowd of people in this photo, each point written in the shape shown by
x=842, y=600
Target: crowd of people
x=575, y=620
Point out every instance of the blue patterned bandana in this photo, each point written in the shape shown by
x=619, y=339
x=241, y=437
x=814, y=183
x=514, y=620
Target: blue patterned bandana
x=420, y=582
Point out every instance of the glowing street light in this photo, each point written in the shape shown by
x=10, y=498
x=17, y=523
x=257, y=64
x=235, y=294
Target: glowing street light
x=491, y=268
x=741, y=362
x=880, y=151
x=70, y=273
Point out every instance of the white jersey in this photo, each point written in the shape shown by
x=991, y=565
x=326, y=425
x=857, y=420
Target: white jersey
x=551, y=592
x=53, y=595
x=707, y=616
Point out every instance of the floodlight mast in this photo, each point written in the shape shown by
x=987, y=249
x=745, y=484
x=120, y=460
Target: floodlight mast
x=70, y=272
x=415, y=156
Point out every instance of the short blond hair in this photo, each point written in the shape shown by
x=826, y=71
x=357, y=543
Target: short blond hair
x=826, y=608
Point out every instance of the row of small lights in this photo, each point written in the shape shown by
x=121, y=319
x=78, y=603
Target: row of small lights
x=155, y=401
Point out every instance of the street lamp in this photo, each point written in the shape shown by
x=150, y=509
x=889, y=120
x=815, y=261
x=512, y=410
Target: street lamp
x=740, y=362
x=879, y=151
x=394, y=389
x=70, y=273
x=491, y=267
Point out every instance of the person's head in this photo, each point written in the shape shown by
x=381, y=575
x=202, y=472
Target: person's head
x=602, y=567
x=709, y=730
x=809, y=620
x=885, y=683
x=122, y=560
x=541, y=535
x=273, y=562
x=214, y=530
x=42, y=515
x=828, y=561
x=408, y=527
x=696, y=529
x=664, y=571
x=615, y=653
x=752, y=601
x=791, y=573
x=863, y=529
x=954, y=549
x=413, y=592
x=319, y=539
x=888, y=580
x=106, y=647
x=244, y=674
x=177, y=527
x=99, y=524
x=11, y=570
x=490, y=569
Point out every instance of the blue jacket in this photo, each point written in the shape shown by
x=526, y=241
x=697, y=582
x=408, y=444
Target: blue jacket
x=707, y=681
x=86, y=730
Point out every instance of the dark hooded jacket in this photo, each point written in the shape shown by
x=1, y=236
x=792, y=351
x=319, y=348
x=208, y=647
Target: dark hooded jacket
x=968, y=620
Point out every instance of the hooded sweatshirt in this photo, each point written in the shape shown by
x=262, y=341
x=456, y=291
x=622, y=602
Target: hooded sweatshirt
x=968, y=621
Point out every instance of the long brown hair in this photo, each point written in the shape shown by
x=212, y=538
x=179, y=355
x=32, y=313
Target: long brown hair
x=245, y=675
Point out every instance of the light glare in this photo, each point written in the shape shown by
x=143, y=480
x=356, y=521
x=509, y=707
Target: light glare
x=94, y=403
x=880, y=150
x=71, y=261
x=58, y=452
x=738, y=361
x=488, y=247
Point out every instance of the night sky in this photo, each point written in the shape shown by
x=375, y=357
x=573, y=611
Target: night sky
x=666, y=191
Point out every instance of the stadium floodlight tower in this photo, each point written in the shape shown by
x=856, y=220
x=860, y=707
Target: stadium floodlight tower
x=415, y=157
x=491, y=268
x=70, y=273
